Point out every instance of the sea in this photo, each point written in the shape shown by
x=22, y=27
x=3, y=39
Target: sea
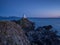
x=39, y=22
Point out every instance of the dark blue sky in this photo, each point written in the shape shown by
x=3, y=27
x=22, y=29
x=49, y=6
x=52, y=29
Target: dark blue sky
x=32, y=8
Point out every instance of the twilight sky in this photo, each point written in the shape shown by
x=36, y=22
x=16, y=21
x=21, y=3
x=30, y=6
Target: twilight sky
x=32, y=8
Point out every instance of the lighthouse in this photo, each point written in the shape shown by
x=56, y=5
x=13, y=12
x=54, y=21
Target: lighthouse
x=24, y=16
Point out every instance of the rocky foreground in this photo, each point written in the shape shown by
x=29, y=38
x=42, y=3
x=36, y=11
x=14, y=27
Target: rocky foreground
x=23, y=32
x=12, y=34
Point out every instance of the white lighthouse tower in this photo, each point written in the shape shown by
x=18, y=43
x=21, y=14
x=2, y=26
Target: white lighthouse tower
x=24, y=16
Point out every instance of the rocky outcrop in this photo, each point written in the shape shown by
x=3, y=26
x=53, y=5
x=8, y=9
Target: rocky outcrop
x=43, y=36
x=49, y=27
x=26, y=24
x=12, y=34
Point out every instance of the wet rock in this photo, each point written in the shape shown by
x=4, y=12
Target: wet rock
x=12, y=34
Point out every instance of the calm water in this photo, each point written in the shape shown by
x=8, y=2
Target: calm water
x=55, y=22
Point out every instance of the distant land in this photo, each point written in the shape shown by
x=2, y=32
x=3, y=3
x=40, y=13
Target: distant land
x=13, y=17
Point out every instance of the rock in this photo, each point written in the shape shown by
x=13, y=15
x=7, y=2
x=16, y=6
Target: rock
x=42, y=36
x=39, y=29
x=26, y=24
x=12, y=34
x=48, y=27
